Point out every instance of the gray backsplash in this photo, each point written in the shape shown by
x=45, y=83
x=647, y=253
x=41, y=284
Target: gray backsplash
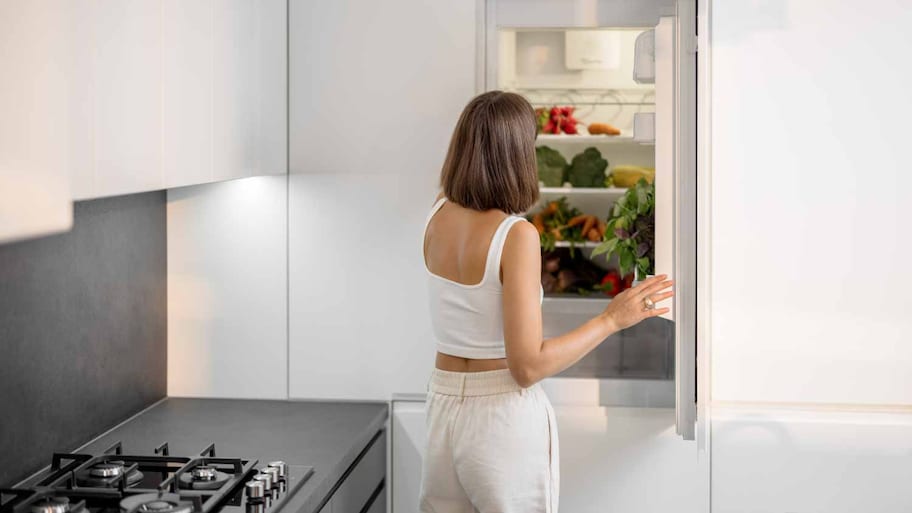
x=83, y=327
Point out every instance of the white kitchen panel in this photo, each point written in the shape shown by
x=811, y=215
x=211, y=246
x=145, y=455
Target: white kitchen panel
x=628, y=459
x=227, y=276
x=409, y=438
x=128, y=96
x=611, y=459
x=272, y=83
x=80, y=70
x=358, y=309
x=34, y=120
x=810, y=203
x=187, y=96
x=235, y=89
x=377, y=86
x=767, y=460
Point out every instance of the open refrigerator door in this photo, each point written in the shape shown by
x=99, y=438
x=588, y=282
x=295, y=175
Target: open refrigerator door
x=617, y=143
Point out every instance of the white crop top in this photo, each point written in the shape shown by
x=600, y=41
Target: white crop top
x=468, y=319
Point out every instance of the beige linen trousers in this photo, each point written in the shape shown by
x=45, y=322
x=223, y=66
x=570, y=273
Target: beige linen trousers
x=492, y=446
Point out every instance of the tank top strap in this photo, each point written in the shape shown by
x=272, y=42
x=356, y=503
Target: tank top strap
x=495, y=252
x=439, y=203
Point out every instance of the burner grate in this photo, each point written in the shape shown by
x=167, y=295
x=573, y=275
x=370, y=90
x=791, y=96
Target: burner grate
x=114, y=482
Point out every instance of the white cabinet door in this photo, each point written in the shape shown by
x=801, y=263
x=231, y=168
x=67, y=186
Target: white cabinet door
x=128, y=97
x=167, y=94
x=187, y=107
x=810, y=204
x=377, y=86
x=375, y=90
x=409, y=437
x=34, y=129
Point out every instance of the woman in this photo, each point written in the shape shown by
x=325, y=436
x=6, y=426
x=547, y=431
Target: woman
x=492, y=444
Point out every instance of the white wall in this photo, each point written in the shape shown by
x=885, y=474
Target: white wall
x=376, y=90
x=809, y=256
x=227, y=282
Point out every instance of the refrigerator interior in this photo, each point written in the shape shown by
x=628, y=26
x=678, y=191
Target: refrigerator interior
x=592, y=70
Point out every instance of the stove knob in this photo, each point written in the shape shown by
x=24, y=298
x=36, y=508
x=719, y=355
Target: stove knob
x=283, y=468
x=266, y=479
x=273, y=473
x=255, y=489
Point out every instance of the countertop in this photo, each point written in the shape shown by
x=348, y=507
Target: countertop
x=325, y=435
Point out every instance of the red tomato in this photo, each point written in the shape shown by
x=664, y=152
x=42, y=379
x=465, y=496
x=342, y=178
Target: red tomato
x=611, y=283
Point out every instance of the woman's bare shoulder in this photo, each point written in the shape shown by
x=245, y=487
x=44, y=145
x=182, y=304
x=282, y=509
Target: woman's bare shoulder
x=522, y=237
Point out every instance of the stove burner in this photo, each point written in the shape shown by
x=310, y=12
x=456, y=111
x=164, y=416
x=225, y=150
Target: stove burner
x=155, y=503
x=156, y=506
x=107, y=469
x=204, y=473
x=203, y=477
x=106, y=474
x=51, y=505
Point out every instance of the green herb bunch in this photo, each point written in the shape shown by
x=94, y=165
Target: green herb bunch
x=631, y=231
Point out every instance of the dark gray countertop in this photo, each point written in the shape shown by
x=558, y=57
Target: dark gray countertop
x=325, y=435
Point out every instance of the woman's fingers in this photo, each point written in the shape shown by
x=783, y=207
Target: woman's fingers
x=654, y=288
x=658, y=298
x=657, y=312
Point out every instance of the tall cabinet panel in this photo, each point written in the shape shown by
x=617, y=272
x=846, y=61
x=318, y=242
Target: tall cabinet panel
x=826, y=231
x=376, y=88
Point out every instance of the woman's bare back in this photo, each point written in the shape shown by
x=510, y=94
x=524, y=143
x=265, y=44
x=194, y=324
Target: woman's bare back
x=456, y=248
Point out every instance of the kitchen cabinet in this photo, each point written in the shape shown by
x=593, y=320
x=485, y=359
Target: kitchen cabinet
x=376, y=86
x=127, y=118
x=363, y=487
x=822, y=329
x=34, y=141
x=375, y=90
x=180, y=93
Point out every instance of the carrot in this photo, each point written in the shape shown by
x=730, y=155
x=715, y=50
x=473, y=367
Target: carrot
x=593, y=235
x=557, y=234
x=602, y=225
x=590, y=222
x=576, y=220
x=551, y=208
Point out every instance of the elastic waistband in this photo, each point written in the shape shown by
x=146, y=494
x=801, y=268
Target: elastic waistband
x=472, y=384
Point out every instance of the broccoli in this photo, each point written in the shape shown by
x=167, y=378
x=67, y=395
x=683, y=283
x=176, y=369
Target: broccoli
x=552, y=166
x=587, y=169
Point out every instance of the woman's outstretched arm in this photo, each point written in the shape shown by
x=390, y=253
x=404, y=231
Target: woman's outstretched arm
x=529, y=357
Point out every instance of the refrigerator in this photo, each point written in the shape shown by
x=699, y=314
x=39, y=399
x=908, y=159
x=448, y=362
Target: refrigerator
x=628, y=412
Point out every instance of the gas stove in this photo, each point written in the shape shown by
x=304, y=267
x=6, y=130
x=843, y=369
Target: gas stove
x=114, y=482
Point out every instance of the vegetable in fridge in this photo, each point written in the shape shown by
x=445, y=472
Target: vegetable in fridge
x=552, y=166
x=587, y=169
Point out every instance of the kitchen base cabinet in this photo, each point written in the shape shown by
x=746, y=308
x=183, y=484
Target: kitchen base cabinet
x=357, y=491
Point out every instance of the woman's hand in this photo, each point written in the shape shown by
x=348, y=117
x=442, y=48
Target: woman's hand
x=631, y=306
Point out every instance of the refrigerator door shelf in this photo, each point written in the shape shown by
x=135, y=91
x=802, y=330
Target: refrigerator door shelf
x=644, y=127
x=644, y=58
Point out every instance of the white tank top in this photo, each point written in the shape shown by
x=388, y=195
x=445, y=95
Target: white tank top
x=468, y=319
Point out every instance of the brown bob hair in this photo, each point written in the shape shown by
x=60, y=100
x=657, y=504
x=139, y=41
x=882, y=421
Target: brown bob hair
x=491, y=160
